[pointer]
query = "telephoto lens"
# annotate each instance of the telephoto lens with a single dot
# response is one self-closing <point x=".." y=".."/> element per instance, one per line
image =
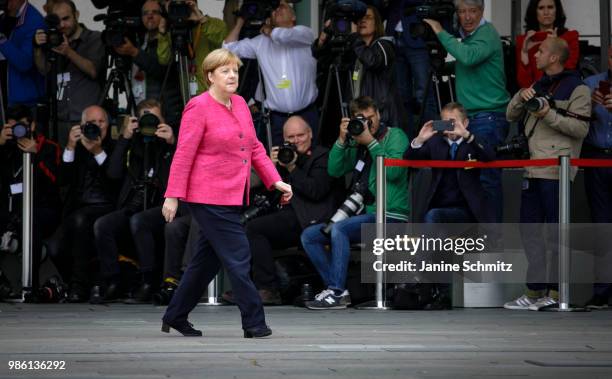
<point x="91" y="131"/>
<point x="287" y="153"/>
<point x="352" y="206"/>
<point x="535" y="104"/>
<point x="147" y="124"/>
<point x="357" y="125"/>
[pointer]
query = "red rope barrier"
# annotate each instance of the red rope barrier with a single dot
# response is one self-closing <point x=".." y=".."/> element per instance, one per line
<point x="497" y="164"/>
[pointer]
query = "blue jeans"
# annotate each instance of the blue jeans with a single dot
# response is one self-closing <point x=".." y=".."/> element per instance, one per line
<point x="412" y="74"/>
<point x="449" y="216"/>
<point x="492" y="128"/>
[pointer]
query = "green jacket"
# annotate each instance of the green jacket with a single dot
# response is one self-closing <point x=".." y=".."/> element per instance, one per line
<point x="212" y="33"/>
<point x="479" y="68"/>
<point x="342" y="160"/>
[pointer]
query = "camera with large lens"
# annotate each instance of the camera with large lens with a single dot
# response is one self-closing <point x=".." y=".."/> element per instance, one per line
<point x="537" y="103"/>
<point x="91" y="131"/>
<point x="357" y="125"/>
<point x="517" y="147"/>
<point x="54" y="37"/>
<point x="52" y="291"/>
<point x="352" y="206"/>
<point x="21" y="130"/>
<point x="147" y="124"/>
<point x="118" y="27"/>
<point x="260" y="206"/>
<point x="287" y="153"/>
<point x="439" y="10"/>
<point x="342" y="14"/>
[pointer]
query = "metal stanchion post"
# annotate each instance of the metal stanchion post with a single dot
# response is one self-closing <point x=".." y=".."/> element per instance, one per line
<point x="26" y="239"/>
<point x="564" y="238"/>
<point x="381" y="180"/>
<point x="212" y="296"/>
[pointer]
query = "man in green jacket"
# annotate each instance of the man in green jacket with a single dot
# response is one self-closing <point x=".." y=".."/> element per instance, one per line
<point x="481" y="83"/>
<point x="357" y="154"/>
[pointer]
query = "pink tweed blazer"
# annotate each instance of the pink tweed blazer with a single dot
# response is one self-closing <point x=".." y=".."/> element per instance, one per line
<point x="216" y="149"/>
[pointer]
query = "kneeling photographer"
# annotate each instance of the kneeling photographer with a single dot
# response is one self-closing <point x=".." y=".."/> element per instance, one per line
<point x="361" y="140"/>
<point x="315" y="199"/>
<point x="556" y="113"/>
<point x="142" y="159"/>
<point x="17" y="137"/>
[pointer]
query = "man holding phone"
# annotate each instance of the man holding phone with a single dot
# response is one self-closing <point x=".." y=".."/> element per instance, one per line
<point x="598" y="181"/>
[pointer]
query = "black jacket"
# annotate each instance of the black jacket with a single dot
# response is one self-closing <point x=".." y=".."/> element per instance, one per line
<point x="316" y="195"/>
<point x="75" y="175"/>
<point x="132" y="172"/>
<point x="437" y="148"/>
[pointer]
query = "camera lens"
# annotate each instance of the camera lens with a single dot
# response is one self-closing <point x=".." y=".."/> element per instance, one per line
<point x="534" y="104"/>
<point x="357" y="125"/>
<point x="91" y="131"/>
<point x="20" y="130"/>
<point x="147" y="124"/>
<point x="286" y="153"/>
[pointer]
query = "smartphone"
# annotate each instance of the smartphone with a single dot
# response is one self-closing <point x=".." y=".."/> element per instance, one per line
<point x="443" y="125"/>
<point x="604" y="87"/>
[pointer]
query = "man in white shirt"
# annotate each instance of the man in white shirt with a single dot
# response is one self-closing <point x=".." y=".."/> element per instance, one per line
<point x="288" y="68"/>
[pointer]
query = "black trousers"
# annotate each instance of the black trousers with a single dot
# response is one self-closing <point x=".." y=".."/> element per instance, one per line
<point x="222" y="242"/>
<point x="278" y="230"/>
<point x="76" y="245"/>
<point x="598" y="185"/>
<point x="123" y="228"/>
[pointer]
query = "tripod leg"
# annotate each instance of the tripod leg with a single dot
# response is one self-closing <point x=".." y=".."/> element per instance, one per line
<point x="325" y="101"/>
<point x="437" y="86"/>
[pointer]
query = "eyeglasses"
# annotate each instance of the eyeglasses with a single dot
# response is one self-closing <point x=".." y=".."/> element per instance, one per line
<point x="155" y="12"/>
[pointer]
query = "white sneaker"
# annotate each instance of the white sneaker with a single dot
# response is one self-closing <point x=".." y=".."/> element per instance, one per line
<point x="522" y="303"/>
<point x="346" y="298"/>
<point x="543" y="302"/>
<point x="323" y="293"/>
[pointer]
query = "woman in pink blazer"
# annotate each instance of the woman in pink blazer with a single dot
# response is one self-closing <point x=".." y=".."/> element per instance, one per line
<point x="210" y="171"/>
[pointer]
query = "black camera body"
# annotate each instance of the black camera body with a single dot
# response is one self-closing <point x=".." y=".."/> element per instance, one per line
<point x="261" y="205"/>
<point x="287" y="153"/>
<point x="54" y="37"/>
<point x="442" y="11"/>
<point x="91" y="131"/>
<point x="342" y="13"/>
<point x="537" y="103"/>
<point x="357" y="125"/>
<point x="147" y="124"/>
<point x="118" y="27"/>
<point x="517" y="147"/>
<point x="256" y="12"/>
<point x="21" y="130"/>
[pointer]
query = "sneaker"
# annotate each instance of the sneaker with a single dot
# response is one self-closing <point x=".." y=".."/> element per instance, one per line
<point x="522" y="303"/>
<point x="597" y="302"/>
<point x="322" y="294"/>
<point x="346" y="298"/>
<point x="327" y="301"/>
<point x="542" y="303"/>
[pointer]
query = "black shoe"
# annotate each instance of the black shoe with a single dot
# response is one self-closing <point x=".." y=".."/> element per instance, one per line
<point x="257" y="332"/>
<point x="597" y="302"/>
<point x="95" y="297"/>
<point x="164" y="295"/>
<point x="76" y="295"/>
<point x="112" y="294"/>
<point x="142" y="295"/>
<point x="185" y="329"/>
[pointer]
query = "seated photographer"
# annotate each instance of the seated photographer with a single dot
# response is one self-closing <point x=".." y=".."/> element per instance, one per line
<point x="598" y="180"/>
<point x="19" y="136"/>
<point x="304" y="166"/>
<point x="75" y="55"/>
<point x="288" y="69"/>
<point x="373" y="72"/>
<point x="148" y="72"/>
<point x="361" y="140"/>
<point x="91" y="194"/>
<point x="556" y="111"/>
<point x="455" y="195"/>
<point x="207" y="35"/>
<point x="480" y="83"/>
<point x="18" y="24"/>
<point x="141" y="159"/>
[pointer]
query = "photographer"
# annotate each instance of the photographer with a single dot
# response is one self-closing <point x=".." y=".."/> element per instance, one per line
<point x="480" y="82"/>
<point x="356" y="153"/>
<point x="91" y="194"/>
<point x="208" y="34"/>
<point x="79" y="61"/>
<point x="556" y="113"/>
<point x="18" y="24"/>
<point x="45" y="164"/>
<point x="287" y="66"/>
<point x="142" y="148"/>
<point x="304" y="166"/>
<point x="148" y="73"/>
<point x="598" y="181"/>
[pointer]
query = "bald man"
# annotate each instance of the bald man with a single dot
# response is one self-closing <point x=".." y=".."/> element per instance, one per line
<point x="91" y="194"/>
<point x="552" y="130"/>
<point x="315" y="198"/>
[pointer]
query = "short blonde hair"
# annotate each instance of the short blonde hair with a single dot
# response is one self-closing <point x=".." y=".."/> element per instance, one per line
<point x="218" y="58"/>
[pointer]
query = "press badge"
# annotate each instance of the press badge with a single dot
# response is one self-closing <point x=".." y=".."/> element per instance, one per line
<point x="355" y="75"/>
<point x="16" y="188"/>
<point x="360" y="165"/>
<point x="284" y="84"/>
<point x="62" y="82"/>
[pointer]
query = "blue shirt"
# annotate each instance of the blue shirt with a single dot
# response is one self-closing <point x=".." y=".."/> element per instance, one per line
<point x="600" y="132"/>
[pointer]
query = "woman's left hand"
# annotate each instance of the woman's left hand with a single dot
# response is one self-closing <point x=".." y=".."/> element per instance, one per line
<point x="285" y="189"/>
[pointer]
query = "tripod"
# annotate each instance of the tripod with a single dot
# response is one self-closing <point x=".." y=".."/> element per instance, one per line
<point x="180" y="38"/>
<point x="119" y="80"/>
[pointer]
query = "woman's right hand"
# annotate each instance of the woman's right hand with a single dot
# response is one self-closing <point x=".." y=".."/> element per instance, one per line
<point x="169" y="208"/>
